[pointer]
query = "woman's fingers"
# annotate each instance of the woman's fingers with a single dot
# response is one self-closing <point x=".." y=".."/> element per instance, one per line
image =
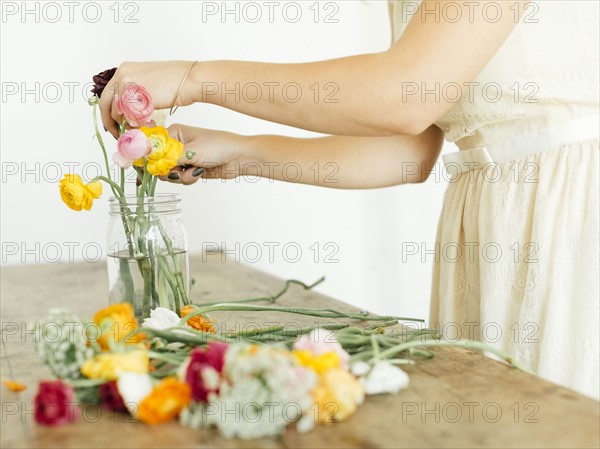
<point x="116" y="116"/>
<point x="106" y="114"/>
<point x="174" y="176"/>
<point x="191" y="175"/>
<point x="185" y="175"/>
<point x="108" y="108"/>
<point x="188" y="136"/>
<point x="185" y="134"/>
<point x="176" y="132"/>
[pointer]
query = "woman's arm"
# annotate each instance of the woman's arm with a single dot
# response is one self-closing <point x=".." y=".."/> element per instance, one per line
<point x="378" y="94"/>
<point x="343" y="162"/>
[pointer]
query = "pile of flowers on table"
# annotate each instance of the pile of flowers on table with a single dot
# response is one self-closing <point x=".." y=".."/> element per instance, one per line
<point x="247" y="383"/>
<point x="267" y="385"/>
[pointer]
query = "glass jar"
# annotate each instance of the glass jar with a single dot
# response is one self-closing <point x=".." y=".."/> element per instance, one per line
<point x="147" y="253"/>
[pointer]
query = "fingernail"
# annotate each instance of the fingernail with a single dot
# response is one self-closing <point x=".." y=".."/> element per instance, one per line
<point x="198" y="172"/>
<point x="173" y="176"/>
<point x="190" y="154"/>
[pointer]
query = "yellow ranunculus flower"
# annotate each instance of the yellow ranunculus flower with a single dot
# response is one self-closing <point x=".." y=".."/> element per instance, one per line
<point x="109" y="365"/>
<point x="78" y="195"/>
<point x="166" y="151"/>
<point x="318" y="363"/>
<point x="337" y="395"/>
<point x="116" y="322"/>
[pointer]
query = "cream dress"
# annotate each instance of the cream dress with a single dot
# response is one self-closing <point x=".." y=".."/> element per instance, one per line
<point x="518" y="248"/>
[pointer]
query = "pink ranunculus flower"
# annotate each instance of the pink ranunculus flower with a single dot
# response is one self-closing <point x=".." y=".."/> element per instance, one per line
<point x="321" y="341"/>
<point x="135" y="104"/>
<point x="55" y="404"/>
<point x="202" y="363"/>
<point x="133" y="144"/>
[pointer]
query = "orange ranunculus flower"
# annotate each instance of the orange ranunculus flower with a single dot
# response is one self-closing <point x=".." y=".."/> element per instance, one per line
<point x="165" y="401"/>
<point x="78" y="195"/>
<point x="116" y="322"/>
<point x="13" y="386"/>
<point x="165" y="153"/>
<point x="197" y="322"/>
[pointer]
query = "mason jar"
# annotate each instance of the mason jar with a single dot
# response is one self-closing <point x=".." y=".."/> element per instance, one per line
<point x="147" y="253"/>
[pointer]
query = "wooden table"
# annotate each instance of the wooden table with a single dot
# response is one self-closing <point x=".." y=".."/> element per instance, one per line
<point x="457" y="399"/>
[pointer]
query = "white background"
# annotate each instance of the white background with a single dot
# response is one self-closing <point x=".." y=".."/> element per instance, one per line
<point x="47" y="127"/>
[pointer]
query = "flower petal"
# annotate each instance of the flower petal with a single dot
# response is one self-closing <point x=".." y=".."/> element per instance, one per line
<point x="13" y="386"/>
<point x="134" y="388"/>
<point x="95" y="189"/>
<point x="161" y="318"/>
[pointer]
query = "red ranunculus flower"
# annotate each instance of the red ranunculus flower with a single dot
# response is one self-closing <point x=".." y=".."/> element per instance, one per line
<point x="55" y="404"/>
<point x="110" y="398"/>
<point x="213" y="356"/>
<point x="101" y="80"/>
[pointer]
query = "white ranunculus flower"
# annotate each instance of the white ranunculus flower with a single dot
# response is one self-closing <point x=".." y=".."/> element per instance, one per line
<point x="134" y="388"/>
<point x="360" y="368"/>
<point x="160" y="117"/>
<point x="161" y="318"/>
<point x="382" y="378"/>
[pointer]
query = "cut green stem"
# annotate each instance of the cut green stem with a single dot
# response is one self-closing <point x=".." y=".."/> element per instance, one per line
<point x="322" y="313"/>
<point x="270" y="299"/>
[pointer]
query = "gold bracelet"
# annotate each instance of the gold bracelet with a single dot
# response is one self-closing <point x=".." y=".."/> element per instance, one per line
<point x="175" y="106"/>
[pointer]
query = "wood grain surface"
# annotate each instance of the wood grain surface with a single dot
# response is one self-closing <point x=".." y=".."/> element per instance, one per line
<point x="457" y="399"/>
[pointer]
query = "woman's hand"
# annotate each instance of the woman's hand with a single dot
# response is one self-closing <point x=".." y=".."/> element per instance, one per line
<point x="336" y="161"/>
<point x="207" y="153"/>
<point x="161" y="79"/>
